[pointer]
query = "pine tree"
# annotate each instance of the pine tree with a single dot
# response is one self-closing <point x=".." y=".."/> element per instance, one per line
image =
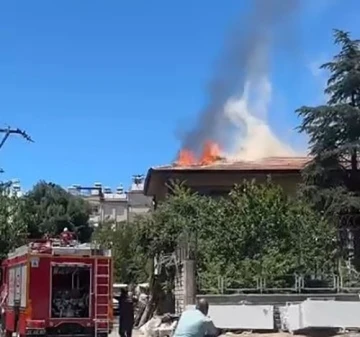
<point x="332" y="178"/>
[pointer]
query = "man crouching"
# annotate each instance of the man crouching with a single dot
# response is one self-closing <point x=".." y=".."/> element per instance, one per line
<point x="195" y="322"/>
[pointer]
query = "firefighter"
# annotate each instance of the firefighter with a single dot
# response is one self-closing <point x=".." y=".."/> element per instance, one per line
<point x="66" y="237"/>
<point x="126" y="313"/>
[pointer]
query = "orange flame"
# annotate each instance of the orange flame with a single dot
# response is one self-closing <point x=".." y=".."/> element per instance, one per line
<point x="211" y="153"/>
<point x="186" y="158"/>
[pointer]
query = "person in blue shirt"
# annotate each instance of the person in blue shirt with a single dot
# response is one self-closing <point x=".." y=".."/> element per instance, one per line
<point x="195" y="322"/>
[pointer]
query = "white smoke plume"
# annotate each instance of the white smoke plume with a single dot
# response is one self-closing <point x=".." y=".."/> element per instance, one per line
<point x="254" y="139"/>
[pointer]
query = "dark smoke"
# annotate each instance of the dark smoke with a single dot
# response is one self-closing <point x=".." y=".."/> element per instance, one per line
<point x="246" y="51"/>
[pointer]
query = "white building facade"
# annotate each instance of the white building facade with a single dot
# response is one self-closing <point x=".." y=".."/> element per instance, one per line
<point x="114" y="206"/>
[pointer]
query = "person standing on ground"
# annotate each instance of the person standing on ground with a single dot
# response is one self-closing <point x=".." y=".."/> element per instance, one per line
<point x="126" y="313"/>
<point x="196" y="323"/>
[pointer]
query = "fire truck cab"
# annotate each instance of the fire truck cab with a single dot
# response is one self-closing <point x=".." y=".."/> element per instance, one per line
<point x="55" y="288"/>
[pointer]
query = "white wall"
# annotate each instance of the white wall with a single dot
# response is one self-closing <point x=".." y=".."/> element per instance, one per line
<point x="238" y="317"/>
<point x="322" y="314"/>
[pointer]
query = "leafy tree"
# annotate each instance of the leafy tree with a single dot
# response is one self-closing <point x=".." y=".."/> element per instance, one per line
<point x="256" y="231"/>
<point x="12" y="233"/>
<point x="182" y="211"/>
<point x="130" y="266"/>
<point x="260" y="232"/>
<point x="48" y="209"/>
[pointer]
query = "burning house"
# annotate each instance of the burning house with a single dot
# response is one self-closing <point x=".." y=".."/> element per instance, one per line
<point x="235" y="113"/>
<point x="215" y="175"/>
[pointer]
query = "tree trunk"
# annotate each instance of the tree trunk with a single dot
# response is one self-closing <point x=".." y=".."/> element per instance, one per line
<point x="354" y="161"/>
<point x="354" y="166"/>
<point x="149" y="309"/>
<point x="146" y="314"/>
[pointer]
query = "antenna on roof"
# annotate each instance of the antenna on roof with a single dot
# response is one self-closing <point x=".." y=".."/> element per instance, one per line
<point x="138" y="179"/>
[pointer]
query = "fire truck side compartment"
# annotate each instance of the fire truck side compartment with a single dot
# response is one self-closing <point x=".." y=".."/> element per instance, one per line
<point x="30" y="284"/>
<point x="39" y="286"/>
<point x="16" y="301"/>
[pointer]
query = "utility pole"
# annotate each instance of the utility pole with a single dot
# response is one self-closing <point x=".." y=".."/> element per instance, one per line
<point x="7" y="132"/>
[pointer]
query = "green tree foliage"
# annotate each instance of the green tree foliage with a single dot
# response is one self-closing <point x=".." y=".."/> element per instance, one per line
<point x="12" y="233"/>
<point x="158" y="233"/>
<point x="130" y="265"/>
<point x="255" y="231"/>
<point x="332" y="179"/>
<point x="48" y="209"/>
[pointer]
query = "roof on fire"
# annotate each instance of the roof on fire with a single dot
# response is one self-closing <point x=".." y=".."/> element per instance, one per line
<point x="266" y="165"/>
<point x="270" y="163"/>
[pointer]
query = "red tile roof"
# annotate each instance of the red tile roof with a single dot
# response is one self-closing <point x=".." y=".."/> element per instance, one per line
<point x="157" y="175"/>
<point x="265" y="164"/>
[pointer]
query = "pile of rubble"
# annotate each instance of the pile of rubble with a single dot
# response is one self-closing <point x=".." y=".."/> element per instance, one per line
<point x="159" y="326"/>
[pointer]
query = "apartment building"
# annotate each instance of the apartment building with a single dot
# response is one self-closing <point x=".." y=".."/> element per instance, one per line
<point x="15" y="189"/>
<point x="114" y="205"/>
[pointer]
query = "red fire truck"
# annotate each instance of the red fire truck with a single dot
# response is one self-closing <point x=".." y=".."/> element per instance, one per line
<point x="56" y="288"/>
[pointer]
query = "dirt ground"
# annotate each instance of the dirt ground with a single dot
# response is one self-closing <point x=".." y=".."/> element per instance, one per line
<point x="287" y="334"/>
<point x="137" y="333"/>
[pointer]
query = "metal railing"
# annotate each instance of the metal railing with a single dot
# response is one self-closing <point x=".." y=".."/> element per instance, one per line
<point x="325" y="283"/>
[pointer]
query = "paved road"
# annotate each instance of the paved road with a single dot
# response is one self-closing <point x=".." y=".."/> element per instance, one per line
<point x="115" y="332"/>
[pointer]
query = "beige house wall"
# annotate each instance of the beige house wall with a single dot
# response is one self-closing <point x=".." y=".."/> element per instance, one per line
<point x="219" y="182"/>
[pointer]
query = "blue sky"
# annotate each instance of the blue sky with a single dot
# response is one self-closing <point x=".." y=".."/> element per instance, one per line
<point x="105" y="87"/>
